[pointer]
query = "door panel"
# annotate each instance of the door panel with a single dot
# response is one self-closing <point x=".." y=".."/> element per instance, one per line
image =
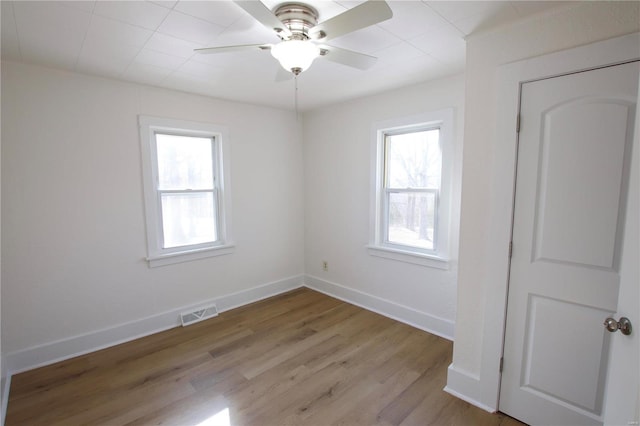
<point x="542" y="367"/>
<point x="572" y="181"/>
<point x="577" y="207"/>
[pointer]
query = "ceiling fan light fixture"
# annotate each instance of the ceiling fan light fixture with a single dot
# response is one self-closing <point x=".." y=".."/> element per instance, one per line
<point x="295" y="55"/>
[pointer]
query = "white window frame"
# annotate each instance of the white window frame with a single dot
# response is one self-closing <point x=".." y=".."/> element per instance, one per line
<point x="439" y="256"/>
<point x="156" y="254"/>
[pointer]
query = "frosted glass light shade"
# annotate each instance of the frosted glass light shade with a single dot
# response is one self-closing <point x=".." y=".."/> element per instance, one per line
<point x="294" y="54"/>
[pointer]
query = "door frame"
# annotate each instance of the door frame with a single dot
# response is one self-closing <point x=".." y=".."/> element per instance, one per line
<point x="509" y="79"/>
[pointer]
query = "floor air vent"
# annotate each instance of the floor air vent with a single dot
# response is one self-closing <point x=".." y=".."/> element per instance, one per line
<point x="198" y="315"/>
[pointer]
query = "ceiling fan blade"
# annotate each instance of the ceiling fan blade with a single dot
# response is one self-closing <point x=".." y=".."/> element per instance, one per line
<point x="239" y="47"/>
<point x="266" y="17"/>
<point x="368" y="13"/>
<point x="348" y="57"/>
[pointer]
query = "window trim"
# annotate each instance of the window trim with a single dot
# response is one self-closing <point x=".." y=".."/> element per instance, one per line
<point x="156" y="255"/>
<point x="439" y="257"/>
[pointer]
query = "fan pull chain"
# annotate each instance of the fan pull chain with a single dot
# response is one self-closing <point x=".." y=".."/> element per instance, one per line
<point x="295" y="96"/>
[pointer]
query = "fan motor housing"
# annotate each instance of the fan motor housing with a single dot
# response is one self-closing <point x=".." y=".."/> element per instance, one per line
<point x="298" y="17"/>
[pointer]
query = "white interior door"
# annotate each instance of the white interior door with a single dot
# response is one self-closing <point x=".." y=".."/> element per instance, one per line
<point x="574" y="155"/>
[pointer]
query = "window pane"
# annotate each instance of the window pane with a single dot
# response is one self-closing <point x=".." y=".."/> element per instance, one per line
<point x="412" y="219"/>
<point x="184" y="162"/>
<point x="188" y="219"/>
<point x="413" y="160"/>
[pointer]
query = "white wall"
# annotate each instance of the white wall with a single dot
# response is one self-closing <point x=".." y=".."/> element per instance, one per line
<point x="482" y="190"/>
<point x="73" y="240"/>
<point x="337" y="167"/>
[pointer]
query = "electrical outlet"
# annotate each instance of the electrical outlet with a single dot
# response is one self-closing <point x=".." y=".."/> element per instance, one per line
<point x="325" y="265"/>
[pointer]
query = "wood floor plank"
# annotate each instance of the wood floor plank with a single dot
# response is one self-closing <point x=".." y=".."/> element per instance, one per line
<point x="272" y="383"/>
<point x="300" y="358"/>
<point x="297" y="399"/>
<point x="415" y="393"/>
<point x="365" y="411"/>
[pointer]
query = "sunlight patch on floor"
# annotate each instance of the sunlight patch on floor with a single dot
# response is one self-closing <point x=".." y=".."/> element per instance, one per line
<point x="221" y="418"/>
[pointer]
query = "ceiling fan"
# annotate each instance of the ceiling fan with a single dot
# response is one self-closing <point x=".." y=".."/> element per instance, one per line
<point x="303" y="37"/>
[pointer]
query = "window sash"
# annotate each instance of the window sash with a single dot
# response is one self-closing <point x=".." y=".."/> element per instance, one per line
<point x="214" y="157"/>
<point x="385" y="222"/>
<point x="216" y="220"/>
<point x="387" y="135"/>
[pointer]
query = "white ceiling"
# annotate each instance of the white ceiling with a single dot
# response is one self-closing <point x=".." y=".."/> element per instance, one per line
<point x="152" y="42"/>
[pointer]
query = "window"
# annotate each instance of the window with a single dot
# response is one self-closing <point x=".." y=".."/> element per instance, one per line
<point x="411" y="181"/>
<point x="186" y="191"/>
<point x="411" y="186"/>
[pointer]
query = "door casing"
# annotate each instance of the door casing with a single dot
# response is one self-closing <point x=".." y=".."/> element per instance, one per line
<point x="509" y="78"/>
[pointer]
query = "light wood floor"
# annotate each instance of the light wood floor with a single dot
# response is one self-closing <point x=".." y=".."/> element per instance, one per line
<point x="301" y="358"/>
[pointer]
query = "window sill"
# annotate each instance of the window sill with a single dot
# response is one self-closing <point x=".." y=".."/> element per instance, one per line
<point x="189" y="255"/>
<point x="409" y="257"/>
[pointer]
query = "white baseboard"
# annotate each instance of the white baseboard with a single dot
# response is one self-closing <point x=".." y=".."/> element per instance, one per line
<point x="465" y="386"/>
<point x="49" y="353"/>
<point x="5" y="386"/>
<point x="421" y="320"/>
